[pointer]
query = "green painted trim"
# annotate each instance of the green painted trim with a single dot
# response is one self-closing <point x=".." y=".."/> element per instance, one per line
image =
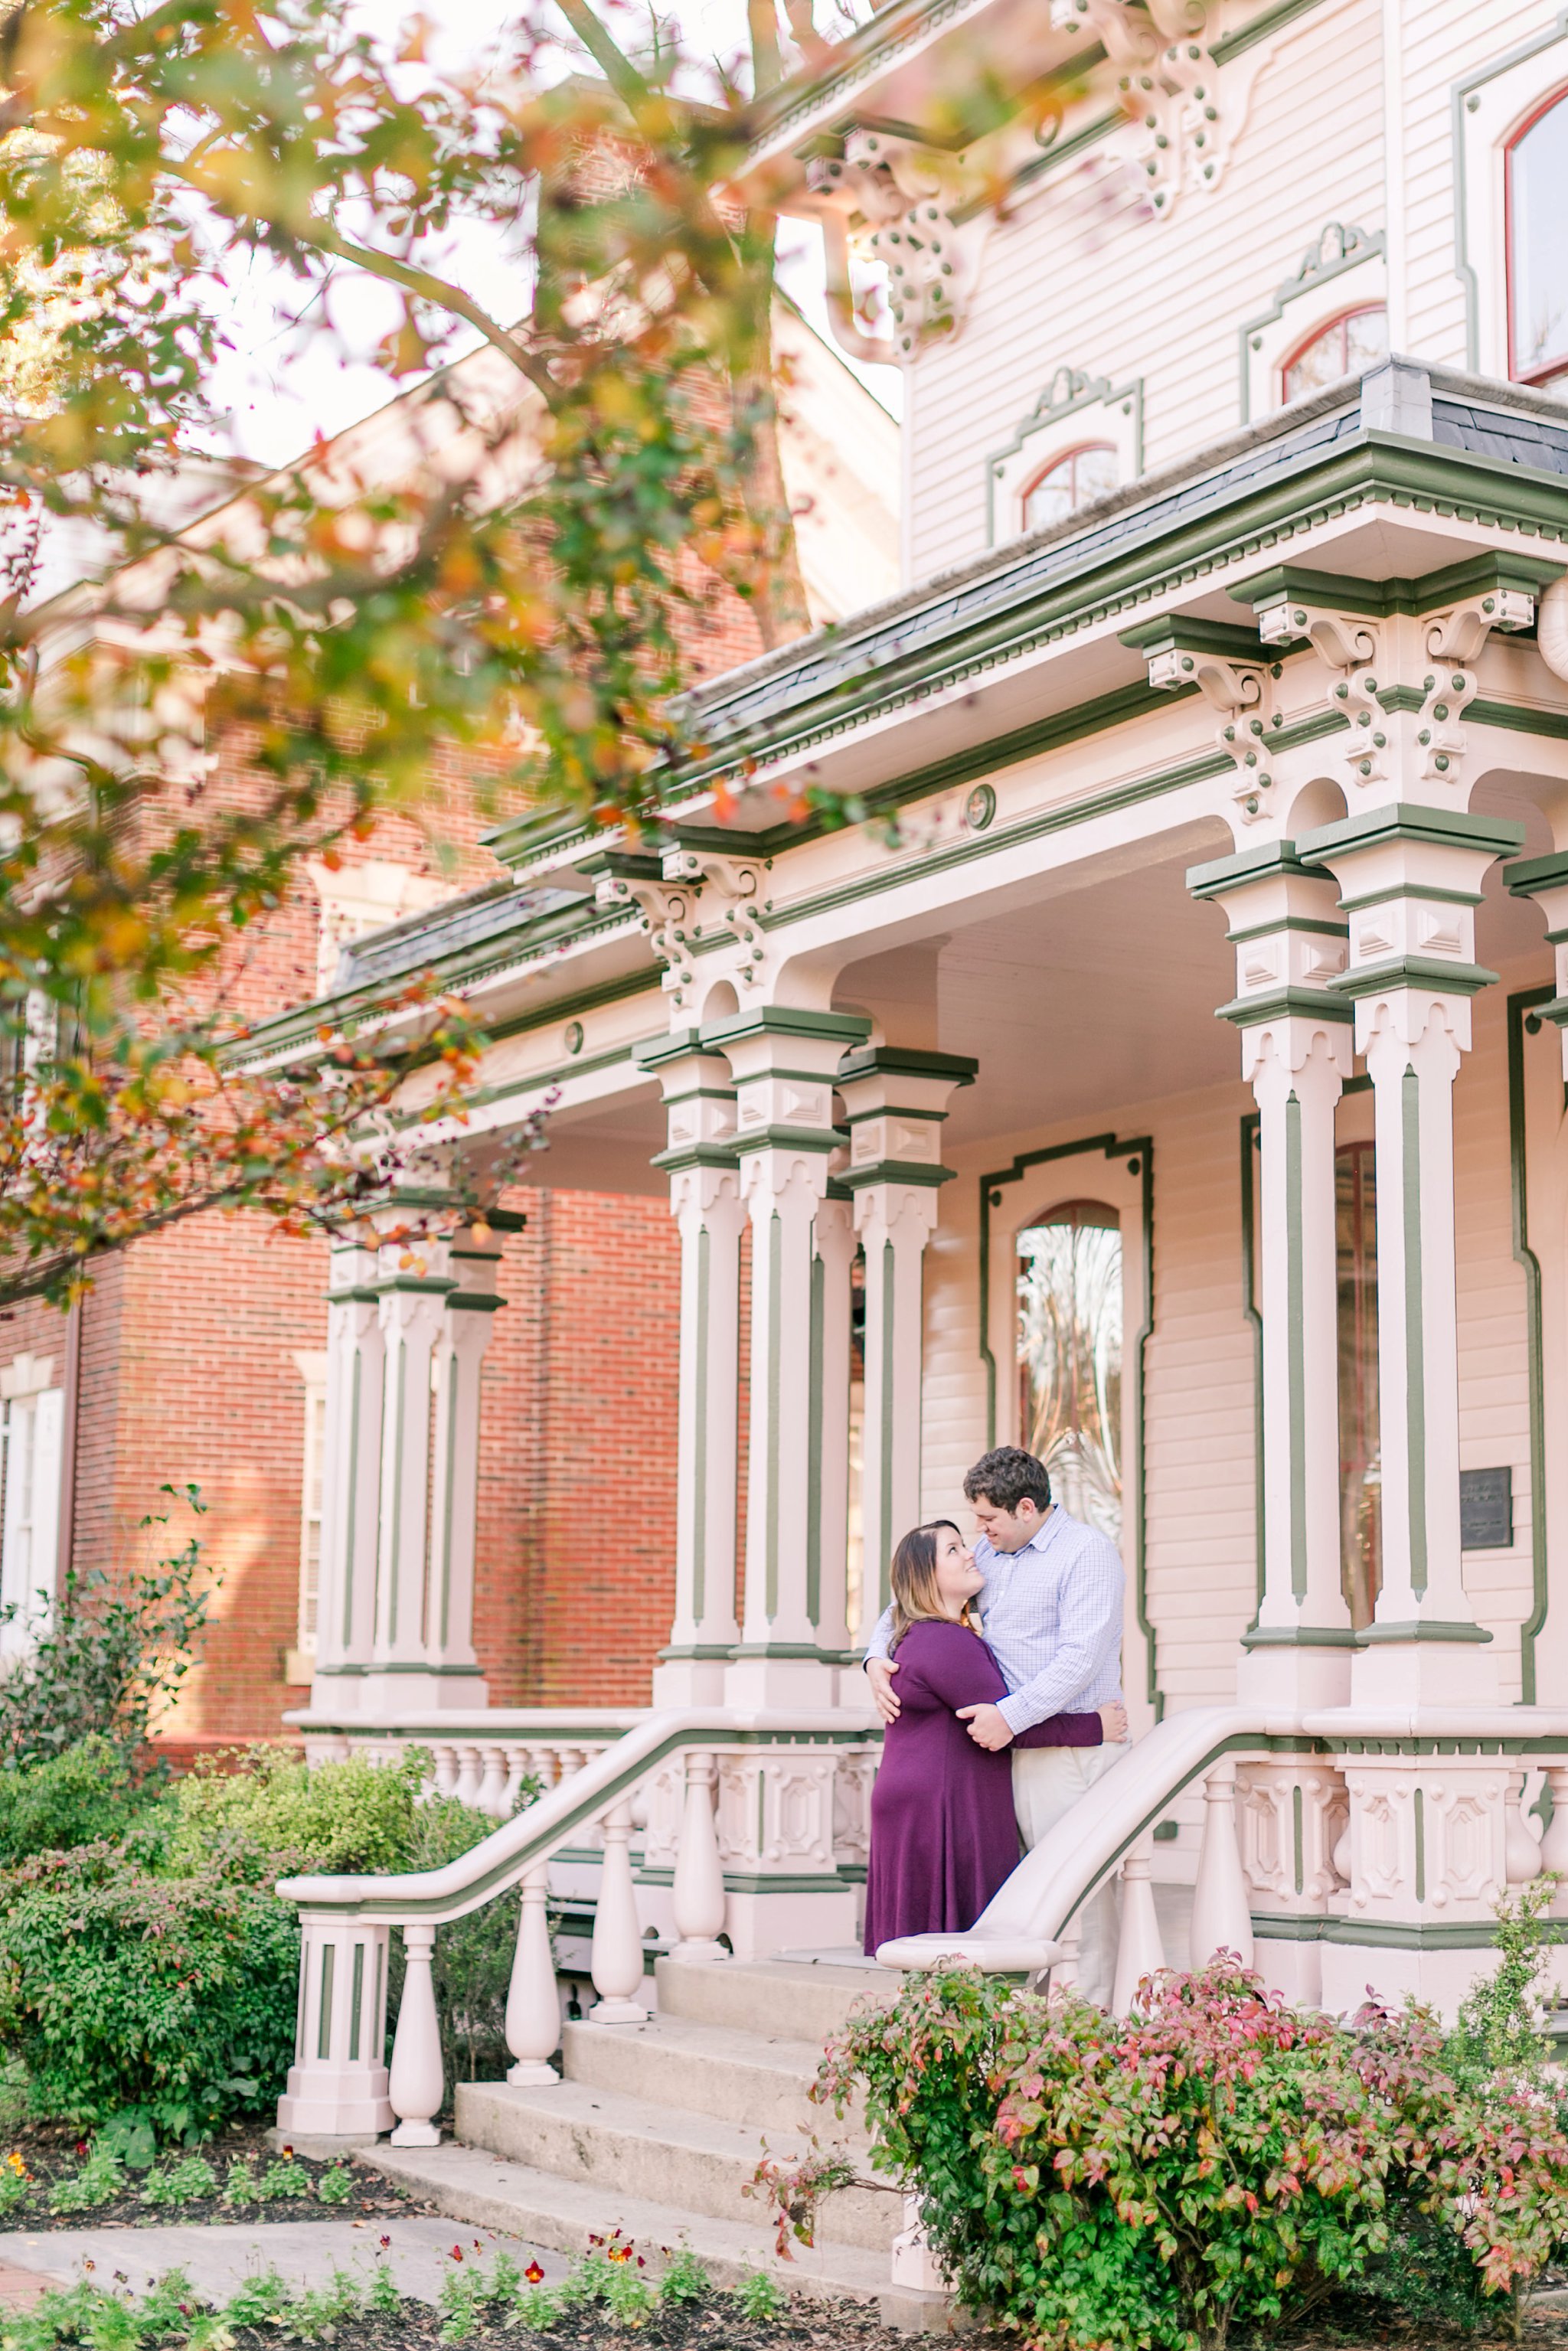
<point x="1477" y="575"/>
<point x="756" y="1882"/>
<point x="905" y="1061"/>
<point x="918" y="1174"/>
<point x="1529" y="875"/>
<point x="849" y="1029"/>
<point x="775" y="1277"/>
<point x="1422" y="1629"/>
<point x="1410" y="821"/>
<point x="324" y="2009"/>
<point x="1463" y="267"/>
<point x="1299" y="1842"/>
<point x="1413" y="971"/>
<point x="1388" y="1935"/>
<point x="1312" y="272"/>
<point x="448" y="1483"/>
<point x="1252" y="1141"/>
<point x="356" y="2002"/>
<point x="1425" y="891"/>
<point x="1139" y="1152"/>
<point x="814" y="1442"/>
<point x="1299" y="1636"/>
<point x="1523" y="1001"/>
<point x="1304" y="924"/>
<point x="1414" y="1330"/>
<point x="350" y="1514"/>
<point x="1295" y="1315"/>
<point x="1419" y="1811"/>
<point x="823" y="1139"/>
<point x="699" y="1449"/>
<point x="1280" y="1003"/>
<point x="396" y="1497"/>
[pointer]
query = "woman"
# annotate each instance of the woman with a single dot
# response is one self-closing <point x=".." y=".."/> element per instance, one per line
<point x="943" y="1834"/>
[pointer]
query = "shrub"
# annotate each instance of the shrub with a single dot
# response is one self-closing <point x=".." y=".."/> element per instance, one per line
<point x="110" y="1655"/>
<point x="119" y="1989"/>
<point x="336" y="2187"/>
<point x="272" y="1814"/>
<point x="1221" y="2160"/>
<point x="83" y="1795"/>
<point x="471" y="1967"/>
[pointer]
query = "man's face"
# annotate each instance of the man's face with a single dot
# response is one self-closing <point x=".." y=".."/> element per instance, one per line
<point x="1006" y="1530"/>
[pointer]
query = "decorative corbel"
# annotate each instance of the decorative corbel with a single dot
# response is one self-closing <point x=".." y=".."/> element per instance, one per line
<point x="691" y="901"/>
<point x="1234" y="678"/>
<point x="897" y="202"/>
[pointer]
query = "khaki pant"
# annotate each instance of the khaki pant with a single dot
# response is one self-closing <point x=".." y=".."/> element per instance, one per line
<point x="1046" y="1783"/>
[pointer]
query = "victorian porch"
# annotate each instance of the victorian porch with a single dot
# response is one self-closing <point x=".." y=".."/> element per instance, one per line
<point x="960" y="1153"/>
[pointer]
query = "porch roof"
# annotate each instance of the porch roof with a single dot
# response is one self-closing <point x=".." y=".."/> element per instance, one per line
<point x="1401" y="429"/>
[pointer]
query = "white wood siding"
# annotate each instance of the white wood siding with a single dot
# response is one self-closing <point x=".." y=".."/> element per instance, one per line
<point x="1077" y="277"/>
<point x="1200" y="1398"/>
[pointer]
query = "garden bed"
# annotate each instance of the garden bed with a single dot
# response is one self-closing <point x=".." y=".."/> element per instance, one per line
<point x="53" y="2178"/>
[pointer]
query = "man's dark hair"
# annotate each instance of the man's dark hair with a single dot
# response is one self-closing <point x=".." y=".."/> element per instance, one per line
<point x="1008" y="1475"/>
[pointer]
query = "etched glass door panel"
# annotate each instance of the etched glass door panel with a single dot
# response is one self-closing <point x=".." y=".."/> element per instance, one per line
<point x="1070" y="1357"/>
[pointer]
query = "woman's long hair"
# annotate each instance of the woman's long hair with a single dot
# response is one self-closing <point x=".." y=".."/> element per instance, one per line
<point x="916" y="1599"/>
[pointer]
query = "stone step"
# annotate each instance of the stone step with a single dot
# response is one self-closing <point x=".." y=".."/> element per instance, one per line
<point x="486" y="2191"/>
<point x="798" y="2000"/>
<point x="633" y="2147"/>
<point x="703" y="2069"/>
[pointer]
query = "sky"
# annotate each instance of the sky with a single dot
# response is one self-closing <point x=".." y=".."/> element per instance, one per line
<point x="281" y="385"/>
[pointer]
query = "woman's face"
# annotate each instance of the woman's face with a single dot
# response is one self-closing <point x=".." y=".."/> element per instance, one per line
<point x="957" y="1577"/>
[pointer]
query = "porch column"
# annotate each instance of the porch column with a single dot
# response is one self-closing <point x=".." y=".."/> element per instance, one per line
<point x="896" y="1100"/>
<point x="467" y="1323"/>
<point x="350" y="1479"/>
<point x="785" y="1063"/>
<point x="436" y="1322"/>
<point x="705" y="1199"/>
<point x="1290" y="940"/>
<point x="1410" y="880"/>
<point x="1546" y="879"/>
<point x="828" y="1560"/>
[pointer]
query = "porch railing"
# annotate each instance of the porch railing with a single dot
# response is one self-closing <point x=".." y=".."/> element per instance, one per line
<point x="338" y="2084"/>
<point x="1385" y="1831"/>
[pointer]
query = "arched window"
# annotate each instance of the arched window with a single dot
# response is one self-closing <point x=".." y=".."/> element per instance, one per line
<point x="1359" y="1456"/>
<point x="1537" y="250"/>
<point x="1069" y="1356"/>
<point x="1344" y="347"/>
<point x="1070" y="482"/>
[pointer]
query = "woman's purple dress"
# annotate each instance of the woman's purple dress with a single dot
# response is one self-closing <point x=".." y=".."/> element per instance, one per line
<point x="943" y="1833"/>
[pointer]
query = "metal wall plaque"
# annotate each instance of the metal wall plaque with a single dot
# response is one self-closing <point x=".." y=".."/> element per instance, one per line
<point x="1486" y="1510"/>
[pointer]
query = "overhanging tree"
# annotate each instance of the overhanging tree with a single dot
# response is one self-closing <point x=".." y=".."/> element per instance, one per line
<point x="514" y="583"/>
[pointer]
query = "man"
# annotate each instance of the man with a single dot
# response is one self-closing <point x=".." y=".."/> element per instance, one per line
<point x="1051" y="1607"/>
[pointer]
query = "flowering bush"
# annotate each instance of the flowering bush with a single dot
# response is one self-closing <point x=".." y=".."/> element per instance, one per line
<point x="1220" y="2159"/>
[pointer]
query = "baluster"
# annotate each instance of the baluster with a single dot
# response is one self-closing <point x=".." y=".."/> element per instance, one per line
<point x="516" y="1761"/>
<point x="445" y="1769"/>
<point x="544" y="1762"/>
<point x="1140" y="1951"/>
<point x="1521" y="1858"/>
<point x="1554" y="1844"/>
<point x="418" y="2077"/>
<point x="1066" y="1975"/>
<point x="616" y="1962"/>
<point x="1221" y="1906"/>
<point x="470" y="1775"/>
<point x="493" y="1783"/>
<point x="533" y="2004"/>
<point x="697" y="1897"/>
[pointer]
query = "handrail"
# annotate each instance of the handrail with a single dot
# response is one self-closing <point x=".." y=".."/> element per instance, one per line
<point x="500" y="1861"/>
<point x="468" y="1722"/>
<point x="1052" y="1883"/>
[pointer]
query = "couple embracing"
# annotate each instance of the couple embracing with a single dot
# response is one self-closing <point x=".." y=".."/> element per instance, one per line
<point x="997" y="1720"/>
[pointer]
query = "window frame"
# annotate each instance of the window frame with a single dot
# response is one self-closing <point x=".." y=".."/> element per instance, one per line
<point x="1492" y="108"/>
<point x="1053" y="465"/>
<point x="1313" y="336"/>
<point x="1076" y="411"/>
<point x="299" y="1663"/>
<point x="34" y="1410"/>
<point x="1541" y="378"/>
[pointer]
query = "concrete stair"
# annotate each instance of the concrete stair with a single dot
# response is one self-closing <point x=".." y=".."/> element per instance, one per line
<point x="656" y="2129"/>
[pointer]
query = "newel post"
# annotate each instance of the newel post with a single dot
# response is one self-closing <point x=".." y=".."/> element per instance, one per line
<point x="338" y="2082"/>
